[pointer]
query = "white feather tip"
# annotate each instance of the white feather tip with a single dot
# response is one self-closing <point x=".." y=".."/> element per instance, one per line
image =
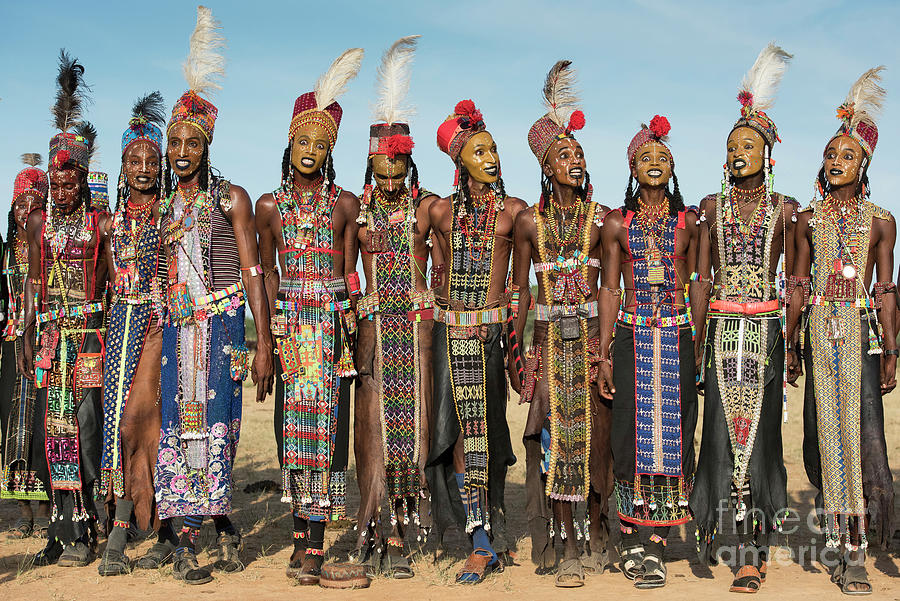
<point x="867" y="97"/>
<point x="765" y="75"/>
<point x="205" y="64"/>
<point x="334" y="82"/>
<point x="393" y="82"/>
<point x="560" y="94"/>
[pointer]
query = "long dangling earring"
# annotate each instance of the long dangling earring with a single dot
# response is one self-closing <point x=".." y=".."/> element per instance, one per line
<point x="768" y="173"/>
<point x="724" y="179"/>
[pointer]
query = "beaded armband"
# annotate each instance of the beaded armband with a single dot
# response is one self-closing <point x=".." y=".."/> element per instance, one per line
<point x="514" y="300"/>
<point x="793" y="282"/>
<point x="879" y="290"/>
<point x="696" y="277"/>
<point x="253" y="271"/>
<point x="353" y="286"/>
<point x="437" y="275"/>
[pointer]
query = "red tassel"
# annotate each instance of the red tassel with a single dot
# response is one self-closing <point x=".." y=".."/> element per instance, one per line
<point x="456" y="178"/>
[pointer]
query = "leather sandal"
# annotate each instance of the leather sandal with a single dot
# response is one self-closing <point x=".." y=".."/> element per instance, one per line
<point x="855" y="574"/>
<point x="595" y="563"/>
<point x="41" y="528"/>
<point x="113" y="563"/>
<point x="630" y="561"/>
<point x="188" y="569"/>
<point x="570" y="574"/>
<point x="76" y="555"/>
<point x="161" y="553"/>
<point x="653" y="573"/>
<point x="228" y="547"/>
<point x="478" y="566"/>
<point x="23" y="528"/>
<point x="746" y="580"/>
<point x="397" y="566"/>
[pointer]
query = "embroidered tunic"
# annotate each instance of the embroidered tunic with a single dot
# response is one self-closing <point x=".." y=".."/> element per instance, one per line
<point x="652" y="438"/>
<point x="396" y="309"/>
<point x="840" y="312"/>
<point x="744" y="378"/>
<point x="565" y="356"/>
<point x="313" y="348"/>
<point x="68" y="367"/>
<point x="204" y="358"/>
<point x="137" y="299"/>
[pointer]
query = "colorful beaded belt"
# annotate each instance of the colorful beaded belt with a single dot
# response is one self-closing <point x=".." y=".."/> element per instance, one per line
<point x="753" y="308"/>
<point x="658" y="322"/>
<point x="284" y="305"/>
<point x="413" y="307"/>
<point x="555" y="312"/>
<point x="577" y="259"/>
<point x="130" y="300"/>
<point x="470" y="318"/>
<point x="218" y="294"/>
<point x="292" y="285"/>
<point x="77" y="311"/>
<point x="222" y="303"/>
<point x="861" y="303"/>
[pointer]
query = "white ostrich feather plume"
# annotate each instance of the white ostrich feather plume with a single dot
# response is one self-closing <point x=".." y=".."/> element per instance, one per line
<point x="334" y="82"/>
<point x="560" y="96"/>
<point x="765" y="75"/>
<point x="205" y="64"/>
<point x="393" y="82"/>
<point x="866" y="97"/>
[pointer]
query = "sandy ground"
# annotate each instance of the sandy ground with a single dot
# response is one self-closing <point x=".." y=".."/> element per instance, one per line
<point x="266" y="527"/>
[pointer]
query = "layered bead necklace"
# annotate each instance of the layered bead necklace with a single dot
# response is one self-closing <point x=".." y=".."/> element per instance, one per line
<point x="740" y="198"/>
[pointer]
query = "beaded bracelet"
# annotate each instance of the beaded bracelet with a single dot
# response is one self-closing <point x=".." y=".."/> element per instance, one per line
<point x="254" y="270"/>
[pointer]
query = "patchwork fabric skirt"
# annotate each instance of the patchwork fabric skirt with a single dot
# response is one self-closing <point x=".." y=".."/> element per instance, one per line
<point x="205" y="488"/>
<point x="650" y="500"/>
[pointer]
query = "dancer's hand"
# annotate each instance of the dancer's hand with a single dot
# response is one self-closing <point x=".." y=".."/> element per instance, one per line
<point x="262" y="372"/>
<point x="605" y="379"/>
<point x="795" y="370"/>
<point x="888" y="373"/>
<point x="25" y="361"/>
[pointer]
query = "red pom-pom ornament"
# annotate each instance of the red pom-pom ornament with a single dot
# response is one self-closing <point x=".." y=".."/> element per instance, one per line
<point x="61" y="158"/>
<point x="576" y="121"/>
<point x="464" y="108"/>
<point x="745" y="98"/>
<point x="394" y="145"/>
<point x="660" y="126"/>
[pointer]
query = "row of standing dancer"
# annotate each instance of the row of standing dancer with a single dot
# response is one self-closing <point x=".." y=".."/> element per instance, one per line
<point x="124" y="350"/>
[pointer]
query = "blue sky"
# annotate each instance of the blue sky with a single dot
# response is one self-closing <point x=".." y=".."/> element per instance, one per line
<point x="634" y="59"/>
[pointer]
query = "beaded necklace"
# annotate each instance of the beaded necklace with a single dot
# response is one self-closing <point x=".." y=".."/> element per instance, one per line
<point x="651" y="219"/>
<point x="738" y="198"/>
<point x="478" y="233"/>
<point x="560" y="215"/>
<point x="471" y="257"/>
